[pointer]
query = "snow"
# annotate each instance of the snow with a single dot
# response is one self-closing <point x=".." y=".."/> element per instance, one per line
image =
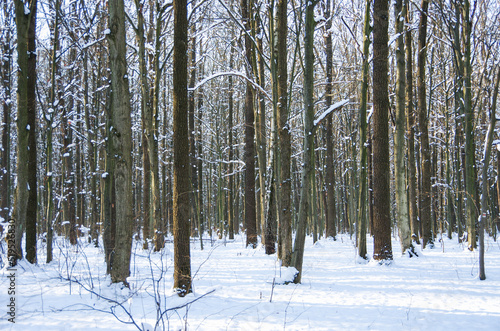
<point x="319" y="18"/>
<point x="329" y="110"/>
<point x="238" y="288"/>
<point x="394" y="37"/>
<point x="107" y="31"/>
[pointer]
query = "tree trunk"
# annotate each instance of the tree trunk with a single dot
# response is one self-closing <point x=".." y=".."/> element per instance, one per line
<point x="49" y="117"/>
<point x="362" y="203"/>
<point x="5" y="172"/>
<point x="485" y="183"/>
<point x="250" y="210"/>
<point x="309" y="132"/>
<point x="260" y="125"/>
<point x="381" y="166"/>
<point x="181" y="205"/>
<point x="191" y="126"/>
<point x="412" y="173"/>
<point x="146" y="115"/>
<point x="230" y="222"/>
<point x="423" y="122"/>
<point x="25" y="204"/>
<point x="121" y="137"/>
<point x="331" y="213"/>
<point x="470" y="150"/>
<point x="399" y="139"/>
<point x="156" y="211"/>
<point x="285" y="145"/>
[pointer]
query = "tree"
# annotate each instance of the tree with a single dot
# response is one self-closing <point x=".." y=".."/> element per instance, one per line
<point x="486" y="160"/>
<point x="410" y="127"/>
<point x="331" y="213"/>
<point x="49" y="117"/>
<point x="309" y="131"/>
<point x="250" y="210"/>
<point x="399" y="138"/>
<point x="381" y="166"/>
<point x="25" y="204"/>
<point x="156" y="211"/>
<point x="362" y="136"/>
<point x="470" y="159"/>
<point x="181" y="204"/>
<point x="147" y="122"/>
<point x="423" y="122"/>
<point x="285" y="147"/>
<point x="6" y="65"/>
<point x="120" y="135"/>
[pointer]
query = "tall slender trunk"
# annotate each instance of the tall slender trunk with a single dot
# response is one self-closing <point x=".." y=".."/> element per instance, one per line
<point x="485" y="183"/>
<point x="470" y="150"/>
<point x="285" y="145"/>
<point x="201" y="213"/>
<point x="410" y="122"/>
<point x="250" y="210"/>
<point x="381" y="166"/>
<point x="51" y="112"/>
<point x="90" y="123"/>
<point x="5" y="169"/>
<point x="331" y="213"/>
<point x="423" y="122"/>
<point x="191" y="125"/>
<point x="25" y="204"/>
<point x="260" y="126"/>
<point x="146" y="115"/>
<point x="121" y="137"/>
<point x="156" y="206"/>
<point x="181" y="204"/>
<point x="362" y="203"/>
<point x="309" y="132"/>
<point x="399" y="139"/>
<point x="230" y="222"/>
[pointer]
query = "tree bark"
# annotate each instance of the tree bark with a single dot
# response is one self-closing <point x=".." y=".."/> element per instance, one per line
<point x="191" y="127"/>
<point x="146" y="115"/>
<point x="485" y="183"/>
<point x="399" y="138"/>
<point x="423" y="122"/>
<point x="156" y="206"/>
<point x="309" y="132"/>
<point x="5" y="169"/>
<point x="250" y="210"/>
<point x="381" y="166"/>
<point x="231" y="191"/>
<point x="25" y="205"/>
<point x="181" y="203"/>
<point x="362" y="203"/>
<point x="470" y="149"/>
<point x="121" y="136"/>
<point x="49" y="117"/>
<point x="331" y="213"/>
<point x="285" y="145"/>
<point x="412" y="173"/>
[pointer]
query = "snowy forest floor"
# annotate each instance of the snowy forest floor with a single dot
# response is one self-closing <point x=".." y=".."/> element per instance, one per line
<point x="233" y="290"/>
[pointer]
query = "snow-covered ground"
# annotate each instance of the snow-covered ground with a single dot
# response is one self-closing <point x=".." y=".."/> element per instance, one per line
<point x="233" y="290"/>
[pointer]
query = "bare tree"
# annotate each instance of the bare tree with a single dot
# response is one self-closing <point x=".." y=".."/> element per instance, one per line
<point x="182" y="255"/>
<point x="381" y="166"/>
<point x="121" y="136"/>
<point x="25" y="204"/>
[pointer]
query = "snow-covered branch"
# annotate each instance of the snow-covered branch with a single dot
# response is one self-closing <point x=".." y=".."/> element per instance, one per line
<point x="232" y="73"/>
<point x="329" y="110"/>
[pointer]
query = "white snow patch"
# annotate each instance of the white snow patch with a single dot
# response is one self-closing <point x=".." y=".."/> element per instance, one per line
<point x="429" y="292"/>
<point x="329" y="110"/>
